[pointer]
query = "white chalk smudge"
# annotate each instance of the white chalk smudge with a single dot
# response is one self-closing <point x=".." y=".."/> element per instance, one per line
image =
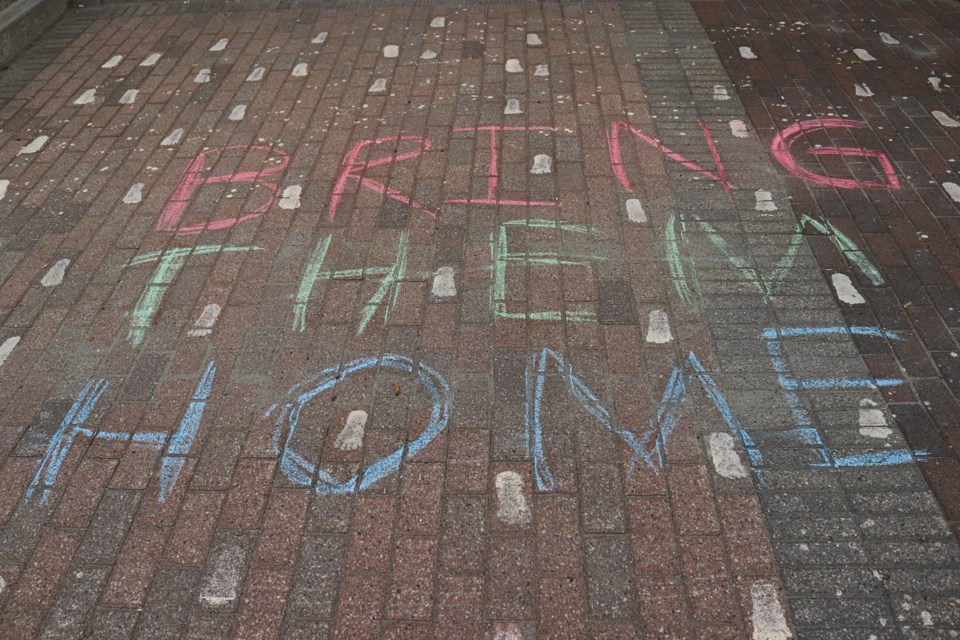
<point x="320" y="38"/>
<point x="871" y="415"/>
<point x="767" y="615"/>
<point x="112" y="62"/>
<point x="513" y="66"/>
<point x="204" y="324"/>
<point x="635" y="212"/>
<point x="7" y="348"/>
<point x="935" y="83"/>
<point x="291" y="197"/>
<point x="134" y="194"/>
<point x="723" y="454"/>
<point x="764" y="200"/>
<point x="658" y="329"/>
<point x="55" y="274"/>
<point x="4" y="185"/>
<point x="429" y="54"/>
<point x="34" y="146"/>
<point x="880" y="433"/>
<point x="86" y="97"/>
<point x="202" y="76"/>
<point x="221" y="586"/>
<point x="129" y="96"/>
<point x="379" y="86"/>
<point x="150" y="60"/>
<point x="953" y="190"/>
<point x="541" y="70"/>
<point x="886" y="38"/>
<point x="747" y="53"/>
<point x="391" y="51"/>
<point x="738" y="129"/>
<point x="172" y="138"/>
<point x="511" y="504"/>
<point x="845" y="289"/>
<point x="512" y="108"/>
<point x="862" y="90"/>
<point x="926" y="618"/>
<point x="533" y="40"/>
<point x="300" y="70"/>
<point x="444" y="285"/>
<point x="256" y="75"/>
<point x="220" y="45"/>
<point x="351" y="437"/>
<point x="509" y="631"/>
<point x="542" y="164"/>
<point x="720" y="92"/>
<point x="864" y="55"/>
<point x="439" y="22"/>
<point x="238" y="112"/>
<point x="944" y="119"/>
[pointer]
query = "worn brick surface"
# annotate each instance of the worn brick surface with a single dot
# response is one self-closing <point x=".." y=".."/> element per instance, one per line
<point x="409" y="320"/>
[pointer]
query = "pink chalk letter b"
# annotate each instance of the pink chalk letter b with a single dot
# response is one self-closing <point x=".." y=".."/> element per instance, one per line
<point x="782" y="144"/>
<point x="194" y="177"/>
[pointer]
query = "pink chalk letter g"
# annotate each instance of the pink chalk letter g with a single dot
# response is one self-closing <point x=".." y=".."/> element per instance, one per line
<point x="781" y="150"/>
<point x="193" y="179"/>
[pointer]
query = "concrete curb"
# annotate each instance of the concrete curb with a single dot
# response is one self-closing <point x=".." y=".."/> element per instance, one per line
<point x="23" y="21"/>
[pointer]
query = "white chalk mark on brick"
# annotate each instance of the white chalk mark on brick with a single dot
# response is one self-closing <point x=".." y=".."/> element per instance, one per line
<point x="635" y="212"/>
<point x="112" y="62"/>
<point x="541" y="71"/>
<point x="202" y="76"/>
<point x="150" y="60"/>
<point x="511" y="504"/>
<point x="429" y="54"/>
<point x="320" y="38"/>
<point x="767" y="615"/>
<point x="513" y="66"/>
<point x="34" y="146"/>
<point x="953" y="190"/>
<point x="871" y="415"/>
<point x="439" y="22"/>
<point x="351" y="437"/>
<point x="7" y="348"/>
<point x="391" y="51"/>
<point x="935" y="83"/>
<point x="256" y="75"/>
<point x="300" y="70"/>
<point x="542" y="164"/>
<point x="221" y="586"/>
<point x="86" y="97"/>
<point x="238" y="112"/>
<point x="886" y="38"/>
<point x="720" y="92"/>
<point x="658" y="329"/>
<point x="738" y="129"/>
<point x="379" y="85"/>
<point x="172" y="138"/>
<point x="220" y="45"/>
<point x="723" y="454"/>
<point x="533" y="40"/>
<point x="129" y="96"/>
<point x="4" y="185"/>
<point x="862" y="90"/>
<point x="204" y="324"/>
<point x="944" y="119"/>
<point x="134" y="194"/>
<point x="747" y="53"/>
<point x="512" y="108"/>
<point x="444" y="285"/>
<point x="509" y="631"/>
<point x="764" y="200"/>
<point x="864" y="55"/>
<point x="55" y="274"/>
<point x="291" y="197"/>
<point x="845" y="289"/>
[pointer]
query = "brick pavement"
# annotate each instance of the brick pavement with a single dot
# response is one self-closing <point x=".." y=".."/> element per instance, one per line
<point x="446" y="321"/>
